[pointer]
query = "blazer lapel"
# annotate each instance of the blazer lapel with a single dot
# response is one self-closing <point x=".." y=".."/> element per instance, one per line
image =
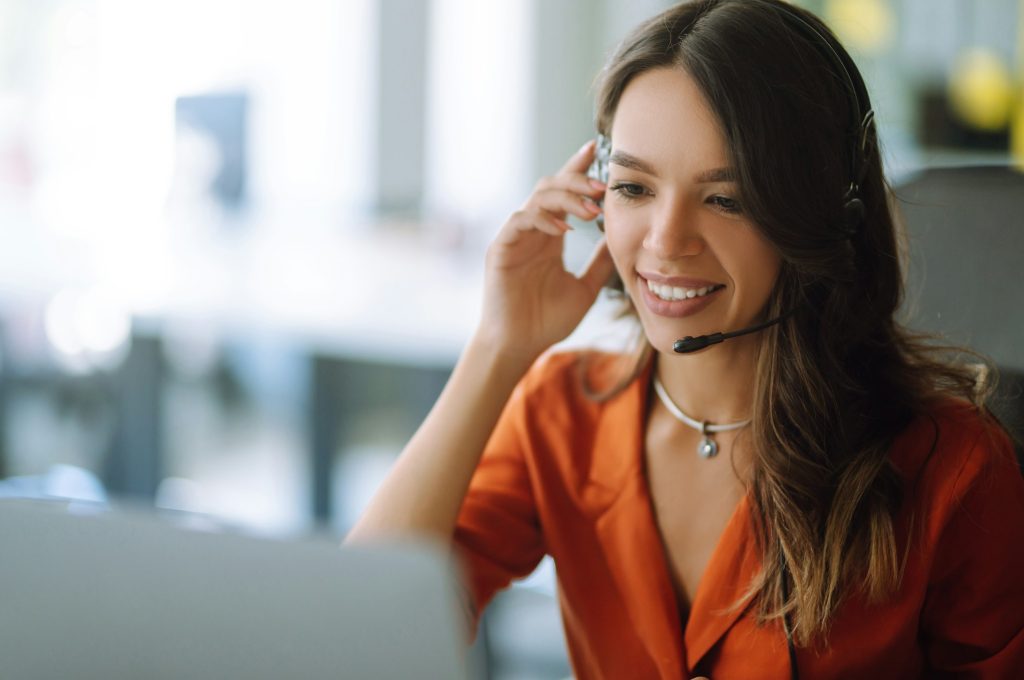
<point x="637" y="564"/>
<point x="629" y="535"/>
<point x="731" y="567"/>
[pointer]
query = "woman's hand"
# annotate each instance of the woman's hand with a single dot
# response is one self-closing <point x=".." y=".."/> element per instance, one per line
<point x="530" y="300"/>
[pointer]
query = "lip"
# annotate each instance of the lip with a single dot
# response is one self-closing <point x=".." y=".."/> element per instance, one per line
<point x="676" y="281"/>
<point x="675" y="308"/>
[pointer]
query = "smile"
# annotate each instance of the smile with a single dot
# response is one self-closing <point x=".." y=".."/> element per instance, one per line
<point x="676" y="301"/>
<point x="671" y="293"/>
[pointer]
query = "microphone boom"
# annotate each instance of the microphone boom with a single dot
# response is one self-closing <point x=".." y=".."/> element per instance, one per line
<point x="692" y="344"/>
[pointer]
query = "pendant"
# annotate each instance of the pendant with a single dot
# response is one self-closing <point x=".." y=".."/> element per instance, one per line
<point x="708" y="448"/>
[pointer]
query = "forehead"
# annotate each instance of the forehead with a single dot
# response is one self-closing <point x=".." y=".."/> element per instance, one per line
<point x="664" y="118"/>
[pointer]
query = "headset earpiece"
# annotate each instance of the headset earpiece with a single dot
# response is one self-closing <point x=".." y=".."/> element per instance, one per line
<point x="853" y="211"/>
<point x="599" y="169"/>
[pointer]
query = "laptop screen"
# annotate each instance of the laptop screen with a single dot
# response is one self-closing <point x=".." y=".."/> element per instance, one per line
<point x="118" y="595"/>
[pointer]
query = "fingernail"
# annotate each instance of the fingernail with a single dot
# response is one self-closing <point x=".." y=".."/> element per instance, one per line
<point x="597" y="184"/>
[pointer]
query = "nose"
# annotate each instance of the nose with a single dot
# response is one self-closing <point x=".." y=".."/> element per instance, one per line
<point x="674" y="232"/>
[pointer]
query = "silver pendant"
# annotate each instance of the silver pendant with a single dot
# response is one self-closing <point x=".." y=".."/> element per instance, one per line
<point x="707" y="448"/>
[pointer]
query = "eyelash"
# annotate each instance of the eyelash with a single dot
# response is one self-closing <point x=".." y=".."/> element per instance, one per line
<point x="624" y="190"/>
<point x="628" y="191"/>
<point x="726" y="204"/>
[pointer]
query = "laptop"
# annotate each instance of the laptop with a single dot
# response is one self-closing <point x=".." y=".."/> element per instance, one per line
<point x="88" y="593"/>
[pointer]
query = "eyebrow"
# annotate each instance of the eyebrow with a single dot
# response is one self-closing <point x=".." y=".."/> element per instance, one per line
<point x="718" y="175"/>
<point x="630" y="161"/>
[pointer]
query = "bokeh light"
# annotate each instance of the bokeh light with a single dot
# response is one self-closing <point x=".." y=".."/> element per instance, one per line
<point x="864" y="26"/>
<point x="981" y="90"/>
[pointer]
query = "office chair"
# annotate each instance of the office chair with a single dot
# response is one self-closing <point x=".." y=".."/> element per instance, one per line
<point x="965" y="227"/>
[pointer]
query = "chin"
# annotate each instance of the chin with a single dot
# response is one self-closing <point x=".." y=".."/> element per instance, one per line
<point x="662" y="339"/>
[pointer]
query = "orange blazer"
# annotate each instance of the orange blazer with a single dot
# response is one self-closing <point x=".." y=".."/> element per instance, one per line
<point x="563" y="475"/>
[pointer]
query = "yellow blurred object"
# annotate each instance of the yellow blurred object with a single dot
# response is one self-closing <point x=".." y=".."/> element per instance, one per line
<point x="1017" y="132"/>
<point x="1017" y="124"/>
<point x="981" y="90"/>
<point x="865" y="26"/>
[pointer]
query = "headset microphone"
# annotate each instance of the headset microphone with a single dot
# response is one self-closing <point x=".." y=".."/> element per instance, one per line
<point x="692" y="344"/>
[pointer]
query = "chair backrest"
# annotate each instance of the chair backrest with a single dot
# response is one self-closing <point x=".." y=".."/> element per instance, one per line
<point x="966" y="271"/>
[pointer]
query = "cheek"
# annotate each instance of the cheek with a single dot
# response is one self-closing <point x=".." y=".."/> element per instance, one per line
<point x="616" y="243"/>
<point x="762" y="265"/>
<point x="620" y="248"/>
<point x="623" y="236"/>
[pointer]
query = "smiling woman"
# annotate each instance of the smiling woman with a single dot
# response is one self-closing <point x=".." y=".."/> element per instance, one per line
<point x="823" y="494"/>
<point x="675" y="223"/>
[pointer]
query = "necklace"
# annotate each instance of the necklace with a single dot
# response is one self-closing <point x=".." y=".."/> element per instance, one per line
<point x="708" y="447"/>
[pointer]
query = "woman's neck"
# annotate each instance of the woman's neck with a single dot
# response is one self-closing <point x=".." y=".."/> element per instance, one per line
<point x="716" y="384"/>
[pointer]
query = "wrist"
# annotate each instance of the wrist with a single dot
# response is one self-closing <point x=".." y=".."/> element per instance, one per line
<point x="502" y="356"/>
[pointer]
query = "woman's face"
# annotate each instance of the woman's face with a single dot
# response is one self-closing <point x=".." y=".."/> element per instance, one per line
<point x="690" y="259"/>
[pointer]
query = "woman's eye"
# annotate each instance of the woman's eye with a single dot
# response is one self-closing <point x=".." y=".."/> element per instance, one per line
<point x="629" y="191"/>
<point x="725" y="204"/>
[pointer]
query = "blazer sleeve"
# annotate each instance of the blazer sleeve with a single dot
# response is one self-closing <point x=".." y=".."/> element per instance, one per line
<point x="498" y="534"/>
<point x="973" y="618"/>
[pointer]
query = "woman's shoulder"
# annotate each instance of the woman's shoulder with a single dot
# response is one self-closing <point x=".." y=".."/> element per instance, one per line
<point x="954" y="446"/>
<point x="566" y="398"/>
<point x="577" y="375"/>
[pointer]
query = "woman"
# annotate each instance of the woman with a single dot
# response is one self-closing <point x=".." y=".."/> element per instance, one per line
<point x="819" y="495"/>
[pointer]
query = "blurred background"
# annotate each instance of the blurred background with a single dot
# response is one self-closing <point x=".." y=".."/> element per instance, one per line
<point x="241" y="242"/>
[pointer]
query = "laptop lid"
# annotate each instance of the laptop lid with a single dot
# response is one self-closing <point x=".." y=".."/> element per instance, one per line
<point x="116" y="595"/>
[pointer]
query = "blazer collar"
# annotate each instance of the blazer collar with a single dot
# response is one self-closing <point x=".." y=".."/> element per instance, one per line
<point x="730" y="569"/>
<point x="620" y="431"/>
<point x="628" y="531"/>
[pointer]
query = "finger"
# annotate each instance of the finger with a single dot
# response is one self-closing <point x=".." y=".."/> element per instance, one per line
<point x="540" y="220"/>
<point x="599" y="269"/>
<point x="561" y="201"/>
<point x="523" y="221"/>
<point x="575" y="182"/>
<point x="581" y="160"/>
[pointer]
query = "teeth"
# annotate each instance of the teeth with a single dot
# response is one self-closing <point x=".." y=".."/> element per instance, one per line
<point x="671" y="293"/>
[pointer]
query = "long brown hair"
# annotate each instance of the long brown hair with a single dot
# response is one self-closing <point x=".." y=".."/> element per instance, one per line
<point x="839" y="378"/>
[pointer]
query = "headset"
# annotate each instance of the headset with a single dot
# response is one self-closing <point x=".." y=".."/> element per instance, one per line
<point x="853" y="205"/>
<point x="599" y="168"/>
